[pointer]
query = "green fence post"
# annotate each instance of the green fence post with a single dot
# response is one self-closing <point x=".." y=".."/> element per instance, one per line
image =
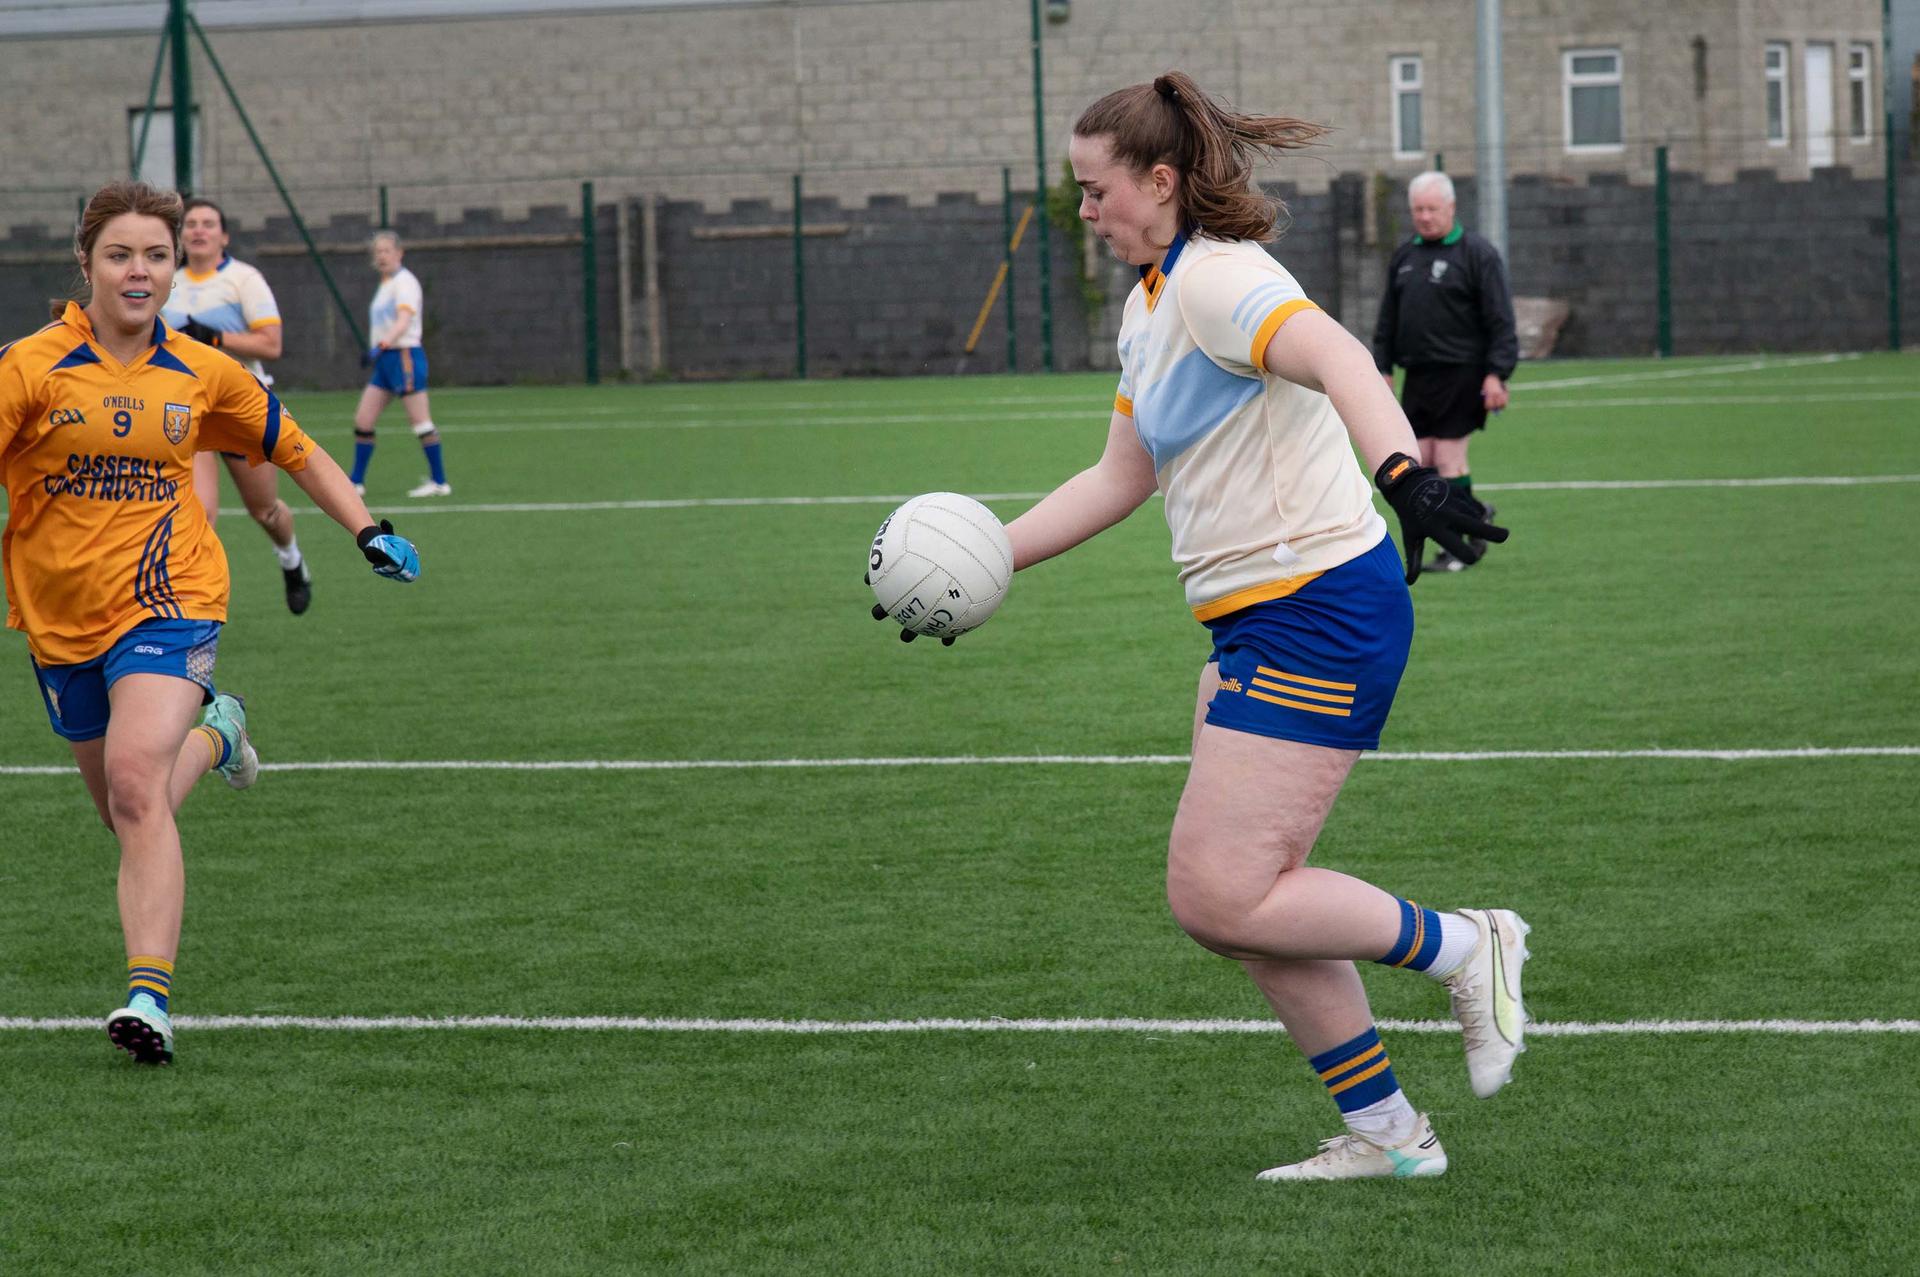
<point x="1662" y="257"/>
<point x="182" y="96"/>
<point x="1439" y="161"/>
<point x="1040" y="195"/>
<point x="383" y="223"/>
<point x="1892" y="178"/>
<point x="1006" y="248"/>
<point x="799" y="289"/>
<point x="590" y="282"/>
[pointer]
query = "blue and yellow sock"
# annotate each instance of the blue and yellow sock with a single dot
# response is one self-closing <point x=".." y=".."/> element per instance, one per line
<point x="151" y="976"/>
<point x="217" y="745"/>
<point x="1430" y="941"/>
<point x="1360" y="1078"/>
<point x="362" y="454"/>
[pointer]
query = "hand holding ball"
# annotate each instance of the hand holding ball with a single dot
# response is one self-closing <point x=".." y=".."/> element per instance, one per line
<point x="940" y="565"/>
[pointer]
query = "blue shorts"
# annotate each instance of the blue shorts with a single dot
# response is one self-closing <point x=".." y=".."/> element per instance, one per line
<point x="1321" y="665"/>
<point x="400" y="371"/>
<point x="76" y="695"/>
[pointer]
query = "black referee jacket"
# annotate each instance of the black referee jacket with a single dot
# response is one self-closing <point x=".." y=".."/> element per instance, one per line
<point x="1447" y="302"/>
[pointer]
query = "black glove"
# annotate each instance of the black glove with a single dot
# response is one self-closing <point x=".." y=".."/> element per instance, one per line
<point x="366" y="358"/>
<point x="906" y="636"/>
<point x="1429" y="506"/>
<point x="200" y="332"/>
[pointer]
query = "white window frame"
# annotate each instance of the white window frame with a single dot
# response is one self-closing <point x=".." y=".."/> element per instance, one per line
<point x="1781" y="75"/>
<point x="1589" y="80"/>
<point x="1860" y="84"/>
<point x="1399" y="88"/>
<point x="157" y="166"/>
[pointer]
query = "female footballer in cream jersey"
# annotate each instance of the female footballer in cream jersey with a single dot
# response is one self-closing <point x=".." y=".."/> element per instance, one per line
<point x="227" y="304"/>
<point x="1242" y="403"/>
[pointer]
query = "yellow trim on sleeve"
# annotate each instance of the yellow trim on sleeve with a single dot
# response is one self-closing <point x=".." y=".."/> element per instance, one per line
<point x="1266" y="593"/>
<point x="402" y="307"/>
<point x="1123" y="405"/>
<point x="1271" y="325"/>
<point x="271" y="321"/>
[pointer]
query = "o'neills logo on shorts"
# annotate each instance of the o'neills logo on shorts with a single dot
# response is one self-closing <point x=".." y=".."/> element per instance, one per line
<point x="178" y="419"/>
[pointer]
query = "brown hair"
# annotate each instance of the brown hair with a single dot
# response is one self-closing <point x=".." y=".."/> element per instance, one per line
<point x="109" y="202"/>
<point x="1213" y="148"/>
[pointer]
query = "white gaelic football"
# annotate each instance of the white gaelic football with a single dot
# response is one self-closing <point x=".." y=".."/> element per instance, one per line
<point x="940" y="564"/>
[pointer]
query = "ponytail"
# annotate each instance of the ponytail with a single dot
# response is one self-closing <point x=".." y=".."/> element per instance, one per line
<point x="1173" y="121"/>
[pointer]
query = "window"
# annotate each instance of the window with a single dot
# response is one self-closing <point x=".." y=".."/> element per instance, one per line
<point x="1860" y="92"/>
<point x="156" y="165"/>
<point x="1593" y="99"/>
<point x="1409" y="131"/>
<point x="1776" y="63"/>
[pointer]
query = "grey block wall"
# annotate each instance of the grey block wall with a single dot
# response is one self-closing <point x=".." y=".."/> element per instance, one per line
<point x="894" y="288"/>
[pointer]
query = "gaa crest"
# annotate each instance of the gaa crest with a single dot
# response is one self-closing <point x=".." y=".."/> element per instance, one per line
<point x="178" y="419"/>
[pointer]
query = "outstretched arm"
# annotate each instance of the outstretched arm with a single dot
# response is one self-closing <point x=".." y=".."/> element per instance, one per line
<point x="1089" y="503"/>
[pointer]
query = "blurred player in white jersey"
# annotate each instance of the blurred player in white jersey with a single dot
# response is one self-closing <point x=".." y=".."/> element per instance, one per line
<point x="399" y="368"/>
<point x="1242" y="402"/>
<point x="227" y="304"/>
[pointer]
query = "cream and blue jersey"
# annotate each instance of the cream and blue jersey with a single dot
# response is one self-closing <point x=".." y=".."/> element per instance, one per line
<point x="233" y="297"/>
<point x="398" y="294"/>
<point x="1262" y="490"/>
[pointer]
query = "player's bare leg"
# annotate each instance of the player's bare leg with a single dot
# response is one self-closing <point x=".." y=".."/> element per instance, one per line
<point x="420" y="417"/>
<point x="260" y="489"/>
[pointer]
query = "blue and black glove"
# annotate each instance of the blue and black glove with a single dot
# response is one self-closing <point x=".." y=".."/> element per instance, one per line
<point x="368" y="355"/>
<point x="1429" y="506"/>
<point x="390" y="555"/>
<point x="200" y="332"/>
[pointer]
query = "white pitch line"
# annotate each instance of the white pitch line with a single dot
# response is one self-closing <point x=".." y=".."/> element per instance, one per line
<point x="1031" y="760"/>
<point x="895" y="498"/>
<point x="1671" y="374"/>
<point x="669" y="1024"/>
<point x="1722" y="401"/>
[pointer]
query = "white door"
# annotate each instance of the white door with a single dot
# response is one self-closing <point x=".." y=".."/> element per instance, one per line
<point x="1819" y="99"/>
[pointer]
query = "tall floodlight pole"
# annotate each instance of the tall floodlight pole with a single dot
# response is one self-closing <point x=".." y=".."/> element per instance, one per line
<point x="1040" y="196"/>
<point x="1490" y="171"/>
<point x="182" y="96"/>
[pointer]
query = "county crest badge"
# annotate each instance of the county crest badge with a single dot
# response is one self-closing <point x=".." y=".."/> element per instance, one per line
<point x="178" y="420"/>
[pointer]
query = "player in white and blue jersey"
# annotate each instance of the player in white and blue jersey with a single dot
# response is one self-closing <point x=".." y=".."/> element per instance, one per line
<point x="1242" y="403"/>
<point x="227" y="303"/>
<point x="399" y="368"/>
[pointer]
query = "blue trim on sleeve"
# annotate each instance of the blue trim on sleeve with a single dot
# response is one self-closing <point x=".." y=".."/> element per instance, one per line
<point x="78" y="357"/>
<point x="164" y="358"/>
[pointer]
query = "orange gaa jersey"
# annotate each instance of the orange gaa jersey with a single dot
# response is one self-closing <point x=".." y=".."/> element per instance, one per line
<point x="103" y="530"/>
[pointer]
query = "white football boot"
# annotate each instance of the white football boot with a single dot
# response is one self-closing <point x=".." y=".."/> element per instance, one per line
<point x="143" y="1031"/>
<point x="431" y="489"/>
<point x="1352" y="1156"/>
<point x="1486" y="997"/>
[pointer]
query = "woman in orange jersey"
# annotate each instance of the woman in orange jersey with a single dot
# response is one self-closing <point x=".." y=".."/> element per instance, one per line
<point x="113" y="571"/>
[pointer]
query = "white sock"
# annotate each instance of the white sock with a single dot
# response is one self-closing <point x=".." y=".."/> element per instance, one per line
<point x="1389" y="1123"/>
<point x="1458" y="935"/>
<point x="288" y="554"/>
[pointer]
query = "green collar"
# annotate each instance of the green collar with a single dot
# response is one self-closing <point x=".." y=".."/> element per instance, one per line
<point x="1451" y="237"/>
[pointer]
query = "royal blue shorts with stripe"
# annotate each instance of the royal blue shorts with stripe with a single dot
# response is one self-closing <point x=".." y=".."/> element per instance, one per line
<point x="400" y="371"/>
<point x="1321" y="665"/>
<point x="76" y="695"/>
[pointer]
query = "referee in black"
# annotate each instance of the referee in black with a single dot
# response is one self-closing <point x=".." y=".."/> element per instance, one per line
<point x="1447" y="318"/>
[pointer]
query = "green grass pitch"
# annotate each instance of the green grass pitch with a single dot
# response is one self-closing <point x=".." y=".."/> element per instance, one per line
<point x="596" y="589"/>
